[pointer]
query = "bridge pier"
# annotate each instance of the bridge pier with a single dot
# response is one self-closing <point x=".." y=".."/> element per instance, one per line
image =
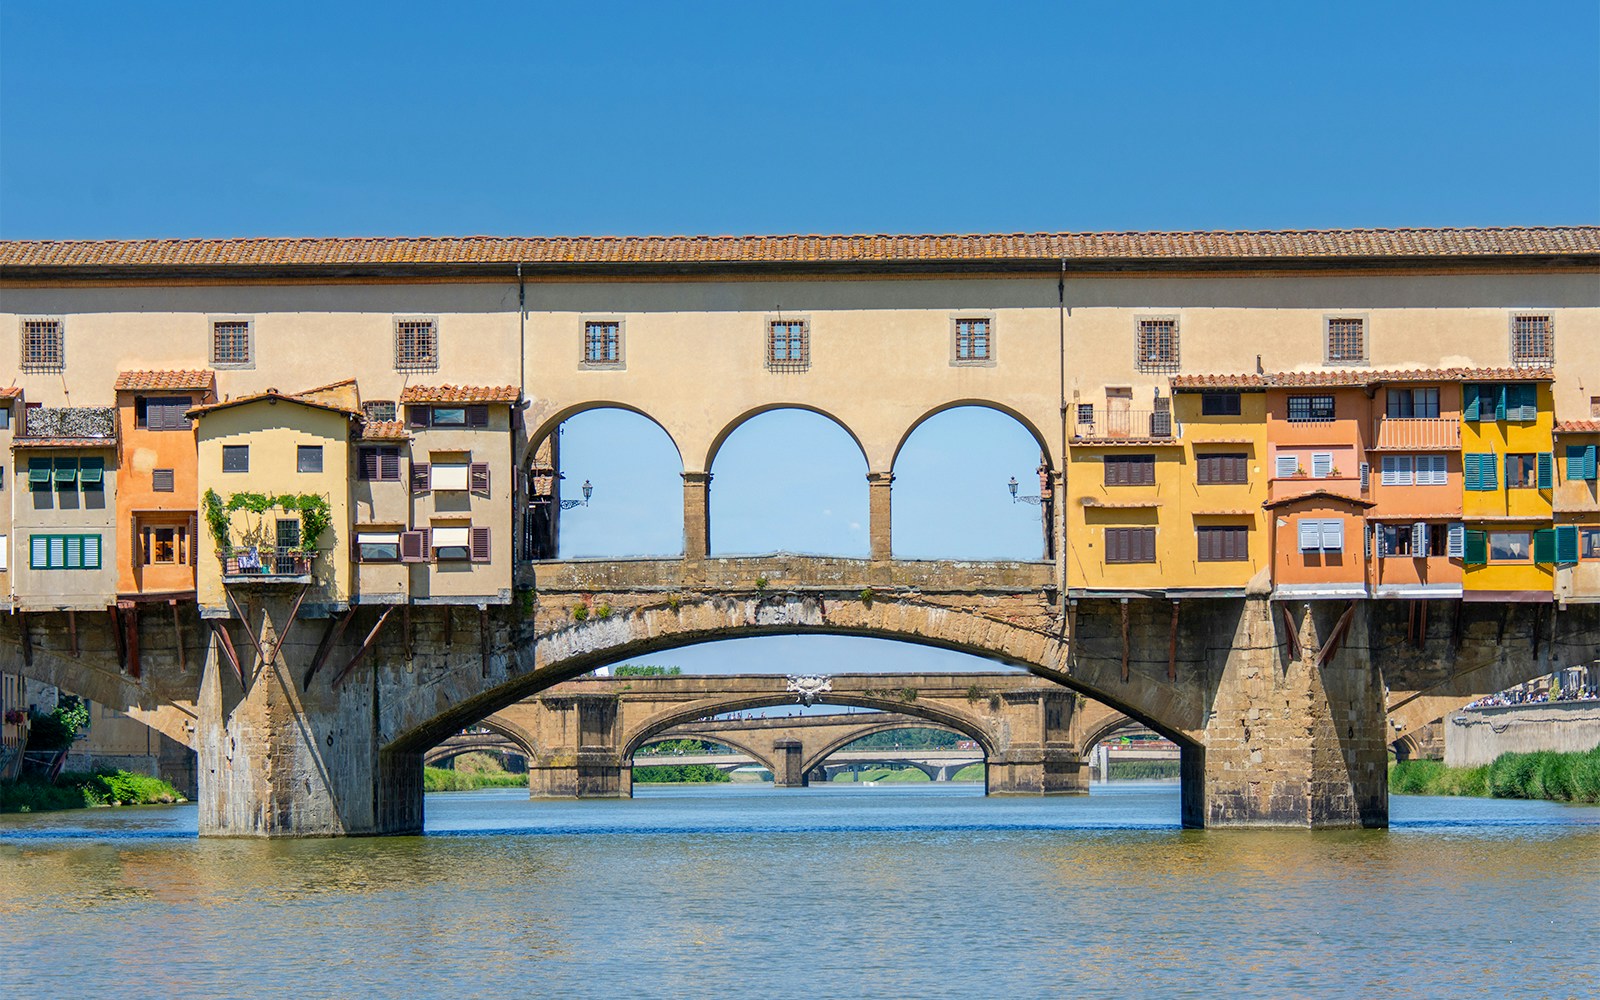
<point x="1051" y="770"/>
<point x="696" y="516"/>
<point x="588" y="774"/>
<point x="789" y="764"/>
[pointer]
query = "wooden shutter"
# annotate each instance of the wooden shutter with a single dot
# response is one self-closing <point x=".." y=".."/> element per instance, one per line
<point x="1567" y="543"/>
<point x="1333" y="535"/>
<point x="1310" y="534"/>
<point x="421" y="477"/>
<point x="1470" y="399"/>
<point x="1499" y="401"/>
<point x="367" y="464"/>
<point x="479" y="548"/>
<point x="1545" y="462"/>
<point x="389" y="464"/>
<point x="1203" y="467"/>
<point x="1114" y="471"/>
<point x="161" y="481"/>
<point x="478" y="478"/>
<point x="413" y="546"/>
<point x="1475" y="548"/>
<point x="1114" y="544"/>
<point x="1456" y="546"/>
<point x="421" y="416"/>
<point x="477" y="416"/>
<point x="1366" y="476"/>
<point x="1146" y="470"/>
<point x="1544" y="545"/>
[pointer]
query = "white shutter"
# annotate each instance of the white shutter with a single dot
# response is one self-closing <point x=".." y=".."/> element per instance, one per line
<point x="1397" y="470"/>
<point x="1382" y="533"/>
<point x="1419" y="540"/>
<point x="1456" y="547"/>
<point x="41" y="552"/>
<point x="1287" y="464"/>
<point x="1333" y="535"/>
<point x="4" y="565"/>
<point x="91" y="551"/>
<point x="1310" y="534"/>
<point x="1321" y="464"/>
<point x="1431" y="470"/>
<point x="1366" y="477"/>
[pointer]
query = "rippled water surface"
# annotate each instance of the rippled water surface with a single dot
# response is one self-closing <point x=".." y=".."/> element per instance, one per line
<point x="905" y="891"/>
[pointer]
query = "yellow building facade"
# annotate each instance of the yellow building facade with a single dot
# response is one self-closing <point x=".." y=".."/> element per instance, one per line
<point x="1508" y="473"/>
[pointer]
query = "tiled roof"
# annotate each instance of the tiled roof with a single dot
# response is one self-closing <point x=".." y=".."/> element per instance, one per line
<point x="384" y="430"/>
<point x="1356" y="378"/>
<point x="1578" y="427"/>
<point x="27" y="442"/>
<point x="331" y="385"/>
<point x="10" y="392"/>
<point x="191" y="380"/>
<point x="460" y="394"/>
<point x="1268" y="244"/>
<point x="269" y="394"/>
<point x="1319" y="495"/>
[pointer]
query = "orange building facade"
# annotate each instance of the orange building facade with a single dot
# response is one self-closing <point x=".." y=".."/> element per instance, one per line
<point x="158" y="496"/>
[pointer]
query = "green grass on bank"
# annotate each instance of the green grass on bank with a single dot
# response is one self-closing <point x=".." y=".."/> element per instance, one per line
<point x="80" y="791"/>
<point x="1558" y="777"/>
<point x="439" y="779"/>
<point x="1144" y="770"/>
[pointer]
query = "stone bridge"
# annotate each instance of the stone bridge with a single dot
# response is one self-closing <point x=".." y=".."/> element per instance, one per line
<point x="1283" y="710"/>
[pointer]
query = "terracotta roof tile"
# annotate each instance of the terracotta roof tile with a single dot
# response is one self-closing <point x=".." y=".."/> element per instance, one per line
<point x="1319" y="495"/>
<point x="384" y="430"/>
<point x="1225" y="245"/>
<point x="1359" y="378"/>
<point x="10" y="392"/>
<point x="1218" y="381"/>
<point x="1578" y="427"/>
<point x="201" y="380"/>
<point x="269" y="394"/>
<point x="460" y="394"/>
<point x="28" y="442"/>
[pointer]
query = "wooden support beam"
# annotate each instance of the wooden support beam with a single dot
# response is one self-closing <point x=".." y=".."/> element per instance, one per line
<point x="1292" y="631"/>
<point x="177" y="637"/>
<point x="366" y="644"/>
<point x="449" y="627"/>
<point x="483" y="637"/>
<point x="1072" y="632"/>
<point x="225" y="643"/>
<point x="72" y="631"/>
<point x="249" y="629"/>
<point x="1455" y="627"/>
<point x="1172" y="646"/>
<point x="1331" y="646"/>
<point x="1422" y="624"/>
<point x="130" y="622"/>
<point x="1505" y="614"/>
<point x="121" y="635"/>
<point x="27" y="638"/>
<point x="1124" y="640"/>
<point x="1537" y="635"/>
<point x="283" y="633"/>
<point x="330" y="638"/>
<point x="410" y="635"/>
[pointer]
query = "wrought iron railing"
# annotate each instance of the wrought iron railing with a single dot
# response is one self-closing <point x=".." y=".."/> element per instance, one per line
<point x="265" y="562"/>
<point x="1109" y="423"/>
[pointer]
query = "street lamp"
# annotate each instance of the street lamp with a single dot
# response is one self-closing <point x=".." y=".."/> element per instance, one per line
<point x="1012" y="486"/>
<point x="588" y="491"/>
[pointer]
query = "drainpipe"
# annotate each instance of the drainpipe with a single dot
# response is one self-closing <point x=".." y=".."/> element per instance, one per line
<point x="1058" y="513"/>
<point x="522" y="333"/>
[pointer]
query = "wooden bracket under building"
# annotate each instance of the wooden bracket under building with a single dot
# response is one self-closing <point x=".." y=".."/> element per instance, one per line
<point x="27" y="638"/>
<point x="449" y="627"/>
<point x="483" y="637"/>
<point x="1292" y="632"/>
<point x="1172" y="646"/>
<point x="249" y="630"/>
<point x="283" y="633"/>
<point x="1072" y="632"/>
<point x="409" y="635"/>
<point x="1336" y="637"/>
<point x="177" y="636"/>
<point x="366" y="644"/>
<point x="1455" y="628"/>
<point x="1124" y="640"/>
<point x="72" y="631"/>
<point x="330" y="637"/>
<point x="225" y="643"/>
<point x="128" y="612"/>
<point x="120" y="634"/>
<point x="1538" y="628"/>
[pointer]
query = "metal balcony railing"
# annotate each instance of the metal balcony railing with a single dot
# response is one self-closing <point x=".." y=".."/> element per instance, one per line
<point x="1104" y="423"/>
<point x="264" y="564"/>
<point x="1416" y="433"/>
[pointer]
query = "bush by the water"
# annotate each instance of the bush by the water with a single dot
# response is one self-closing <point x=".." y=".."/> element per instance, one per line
<point x="668" y="774"/>
<point x="79" y="791"/>
<point x="439" y="779"/>
<point x="1144" y="770"/>
<point x="1559" y="777"/>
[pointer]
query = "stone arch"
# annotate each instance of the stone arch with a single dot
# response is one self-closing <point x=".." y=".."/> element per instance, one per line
<point x="727" y="430"/>
<point x="761" y="759"/>
<point x="549" y="425"/>
<point x="1105" y="730"/>
<point x="985" y="743"/>
<point x="1045" y="453"/>
<point x="500" y="733"/>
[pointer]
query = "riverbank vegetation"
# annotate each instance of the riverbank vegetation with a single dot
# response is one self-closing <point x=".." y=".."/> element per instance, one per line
<point x="678" y="774"/>
<point x="1558" y="777"/>
<point x="81" y="791"/>
<point x="1144" y="770"/>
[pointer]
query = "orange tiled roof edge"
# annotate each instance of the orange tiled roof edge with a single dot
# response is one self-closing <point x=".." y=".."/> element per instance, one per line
<point x="1511" y="241"/>
<point x="1357" y="377"/>
<point x="384" y="430"/>
<point x="192" y="380"/>
<point x="460" y="394"/>
<point x="10" y="392"/>
<point x="1578" y="427"/>
<point x="270" y="394"/>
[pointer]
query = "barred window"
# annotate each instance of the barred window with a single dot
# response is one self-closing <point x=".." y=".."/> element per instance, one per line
<point x="379" y="410"/>
<point x="973" y="340"/>
<point x="788" y="345"/>
<point x="1158" y="345"/>
<point x="230" y="343"/>
<point x="416" y="345"/>
<point x="1533" y="341"/>
<point x="1347" y="341"/>
<point x="43" y="346"/>
<point x="602" y="343"/>
<point x="1307" y="409"/>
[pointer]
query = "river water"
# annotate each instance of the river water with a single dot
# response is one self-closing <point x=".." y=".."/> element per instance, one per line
<point x="889" y="891"/>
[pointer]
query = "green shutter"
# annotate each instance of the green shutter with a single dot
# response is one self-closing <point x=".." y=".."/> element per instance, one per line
<point x="66" y="470"/>
<point x="39" y="472"/>
<point x="1469" y="399"/>
<point x="1545" y="465"/>
<point x="1567" y="543"/>
<point x="1530" y="402"/>
<point x="1577" y="464"/>
<point x="1471" y="481"/>
<point x="93" y="471"/>
<point x="1589" y="465"/>
<point x="1544" y="545"/>
<point x="1500" y="402"/>
<point x="1477" y="552"/>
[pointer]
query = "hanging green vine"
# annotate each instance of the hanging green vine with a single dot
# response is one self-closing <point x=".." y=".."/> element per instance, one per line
<point x="316" y="514"/>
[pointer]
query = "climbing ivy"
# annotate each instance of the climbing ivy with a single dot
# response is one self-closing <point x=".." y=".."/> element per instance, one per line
<point x="316" y="514"/>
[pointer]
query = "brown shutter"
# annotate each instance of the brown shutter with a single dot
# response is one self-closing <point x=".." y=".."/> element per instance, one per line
<point x="367" y="463"/>
<point x="389" y="465"/>
<point x="1149" y="545"/>
<point x="413" y="546"/>
<point x="479" y="549"/>
<point x="1113" y="471"/>
<point x="1202" y="469"/>
<point x="477" y="416"/>
<point x="421" y="416"/>
<point x="1147" y="467"/>
<point x="478" y="477"/>
<point x="421" y="477"/>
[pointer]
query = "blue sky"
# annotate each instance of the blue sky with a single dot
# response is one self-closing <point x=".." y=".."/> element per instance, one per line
<point x="129" y="120"/>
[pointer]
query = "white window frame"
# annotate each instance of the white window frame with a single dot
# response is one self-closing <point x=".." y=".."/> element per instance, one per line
<point x="1437" y="470"/>
<point x="1398" y="470"/>
<point x="1321" y="465"/>
<point x="1283" y="471"/>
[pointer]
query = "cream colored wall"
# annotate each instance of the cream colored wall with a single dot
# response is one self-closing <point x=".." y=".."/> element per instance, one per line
<point x="274" y="431"/>
<point x="80" y="589"/>
<point x="8" y="495"/>
<point x="492" y="444"/>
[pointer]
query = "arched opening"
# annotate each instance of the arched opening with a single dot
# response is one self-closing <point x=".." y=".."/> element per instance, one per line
<point x="950" y="495"/>
<point x="788" y="480"/>
<point x="695" y="759"/>
<point x="899" y="752"/>
<point x="1128" y="751"/>
<point x="603" y="482"/>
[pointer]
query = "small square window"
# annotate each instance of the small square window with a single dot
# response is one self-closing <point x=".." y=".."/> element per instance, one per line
<point x="309" y="458"/>
<point x="43" y="346"/>
<point x="1221" y="404"/>
<point x="602" y="343"/>
<point x="1346" y="340"/>
<point x="788" y="345"/>
<point x="161" y="481"/>
<point x="232" y="343"/>
<point x="974" y="341"/>
<point x="1086" y="413"/>
<point x="1521" y="471"/>
<point x="235" y="458"/>
<point x="379" y="410"/>
<point x="1533" y="341"/>
<point x="5" y="418"/>
<point x="1157" y="347"/>
<point x="416" y="345"/>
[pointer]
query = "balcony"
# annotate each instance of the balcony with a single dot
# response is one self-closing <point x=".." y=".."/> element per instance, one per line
<point x="1416" y="434"/>
<point x="1102" y="424"/>
<point x="77" y="424"/>
<point x="266" y="564"/>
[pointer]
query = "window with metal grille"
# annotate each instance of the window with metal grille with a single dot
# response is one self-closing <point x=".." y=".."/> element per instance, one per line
<point x="1532" y="341"/>
<point x="1086" y="413"/>
<point x="416" y="345"/>
<point x="231" y="343"/>
<point x="1221" y="404"/>
<point x="1305" y="409"/>
<point x="602" y="343"/>
<point x="43" y="346"/>
<point x="1222" y="467"/>
<point x="161" y="481"/>
<point x="235" y="458"/>
<point x="973" y="340"/>
<point x="1130" y="545"/>
<point x="379" y="410"/>
<point x="1347" y="341"/>
<point x="309" y="458"/>
<point x="1130" y="470"/>
<point x="1157" y="345"/>
<point x="1222" y="543"/>
<point x="788" y="345"/>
